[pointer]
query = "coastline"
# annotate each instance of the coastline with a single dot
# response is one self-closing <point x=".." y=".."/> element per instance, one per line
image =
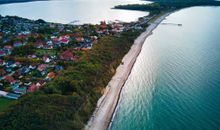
<point x="107" y="104"/>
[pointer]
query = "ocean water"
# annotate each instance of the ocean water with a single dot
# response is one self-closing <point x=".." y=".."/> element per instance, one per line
<point x="66" y="11"/>
<point x="175" y="82"/>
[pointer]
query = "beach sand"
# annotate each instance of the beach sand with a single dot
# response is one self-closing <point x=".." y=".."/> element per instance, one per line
<point x="107" y="103"/>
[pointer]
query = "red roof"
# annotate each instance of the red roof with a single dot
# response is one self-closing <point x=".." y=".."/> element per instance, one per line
<point x="32" y="88"/>
<point x="84" y="49"/>
<point x="64" y="40"/>
<point x="41" y="67"/>
<point x="51" y="75"/>
<point x="67" y="55"/>
<point x="79" y="39"/>
<point x="9" y="79"/>
<point x="64" y="37"/>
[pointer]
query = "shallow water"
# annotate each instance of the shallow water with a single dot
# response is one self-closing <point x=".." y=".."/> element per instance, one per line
<point x="175" y="83"/>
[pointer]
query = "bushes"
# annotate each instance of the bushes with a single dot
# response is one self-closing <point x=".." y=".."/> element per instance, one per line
<point x="39" y="111"/>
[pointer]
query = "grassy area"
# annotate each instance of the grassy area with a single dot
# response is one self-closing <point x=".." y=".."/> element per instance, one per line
<point x="4" y="103"/>
<point x="45" y="52"/>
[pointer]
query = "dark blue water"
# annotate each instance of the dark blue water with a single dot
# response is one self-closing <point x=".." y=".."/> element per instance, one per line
<point x="175" y="83"/>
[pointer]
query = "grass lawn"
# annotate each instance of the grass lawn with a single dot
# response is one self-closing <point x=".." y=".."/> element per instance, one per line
<point x="4" y="103"/>
<point x="45" y="52"/>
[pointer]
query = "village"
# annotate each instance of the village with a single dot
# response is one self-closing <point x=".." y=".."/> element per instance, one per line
<point x="32" y="52"/>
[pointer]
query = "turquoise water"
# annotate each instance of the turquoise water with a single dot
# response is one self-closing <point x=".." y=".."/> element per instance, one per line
<point x="66" y="11"/>
<point x="175" y="83"/>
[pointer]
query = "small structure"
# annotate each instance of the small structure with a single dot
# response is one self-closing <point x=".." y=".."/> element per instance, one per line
<point x="67" y="55"/>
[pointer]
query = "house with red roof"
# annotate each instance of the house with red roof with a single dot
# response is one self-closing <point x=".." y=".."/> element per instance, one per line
<point x="42" y="67"/>
<point x="64" y="41"/>
<point x="79" y="39"/>
<point x="32" y="88"/>
<point x="67" y="55"/>
<point x="51" y="75"/>
<point x="9" y="79"/>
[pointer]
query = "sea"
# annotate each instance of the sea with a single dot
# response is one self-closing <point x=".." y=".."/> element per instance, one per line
<point x="74" y="11"/>
<point x="175" y="82"/>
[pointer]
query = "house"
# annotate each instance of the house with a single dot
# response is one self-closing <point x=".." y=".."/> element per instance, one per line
<point x="27" y="82"/>
<point x="10" y="63"/>
<point x="67" y="55"/>
<point x="39" y="44"/>
<point x="33" y="66"/>
<point x="51" y="75"/>
<point x="58" y="68"/>
<point x="64" y="37"/>
<point x="18" y="64"/>
<point x="20" y="90"/>
<point x="41" y="67"/>
<point x="8" y="47"/>
<point x="46" y="59"/>
<point x="25" y="70"/>
<point x="64" y="41"/>
<point x="40" y="83"/>
<point x="9" y="79"/>
<point x="17" y="74"/>
<point x="48" y="47"/>
<point x="103" y="25"/>
<point x="21" y="36"/>
<point x="3" y="93"/>
<point x="89" y="46"/>
<point x="57" y="43"/>
<point x="79" y="39"/>
<point x="49" y="43"/>
<point x="32" y="88"/>
<point x="2" y="62"/>
<point x="32" y="56"/>
<point x="77" y="49"/>
<point x="17" y="44"/>
<point x="8" y="69"/>
<point x="15" y="85"/>
<point x="12" y="96"/>
<point x="2" y="53"/>
<point x="2" y="72"/>
<point x="84" y="49"/>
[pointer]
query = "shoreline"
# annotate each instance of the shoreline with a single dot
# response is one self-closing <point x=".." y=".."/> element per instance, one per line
<point x="106" y="105"/>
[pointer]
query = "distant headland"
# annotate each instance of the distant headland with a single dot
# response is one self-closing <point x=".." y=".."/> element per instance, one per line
<point x="16" y="1"/>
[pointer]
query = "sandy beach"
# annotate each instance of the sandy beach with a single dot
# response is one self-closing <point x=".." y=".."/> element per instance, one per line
<point x="107" y="103"/>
